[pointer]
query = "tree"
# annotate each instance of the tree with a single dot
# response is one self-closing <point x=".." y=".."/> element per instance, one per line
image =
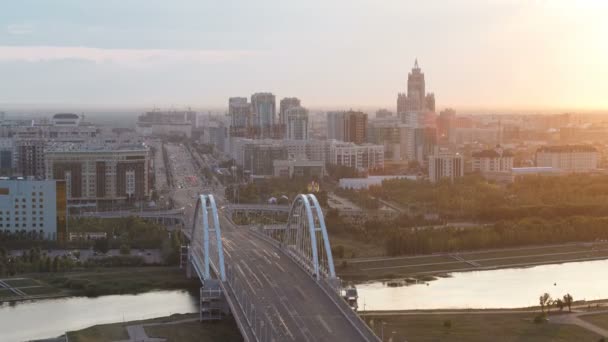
<point x="125" y="249"/>
<point x="544" y="300"/>
<point x="560" y="304"/>
<point x="101" y="245"/>
<point x="568" y="301"/>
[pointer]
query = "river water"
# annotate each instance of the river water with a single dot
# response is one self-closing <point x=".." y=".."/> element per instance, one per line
<point x="53" y="317"/>
<point x="504" y="288"/>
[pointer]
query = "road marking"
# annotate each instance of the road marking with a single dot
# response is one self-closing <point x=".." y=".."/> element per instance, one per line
<point x="280" y="267"/>
<point x="324" y="324"/>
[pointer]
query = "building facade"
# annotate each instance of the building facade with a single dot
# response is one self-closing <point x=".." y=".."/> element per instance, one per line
<point x="297" y="123"/>
<point x="348" y="126"/>
<point x="445" y="165"/>
<point x="263" y="107"/>
<point x="100" y="172"/>
<point x="568" y="158"/>
<point x="29" y="157"/>
<point x="494" y="160"/>
<point x="37" y="207"/>
<point x="363" y="157"/>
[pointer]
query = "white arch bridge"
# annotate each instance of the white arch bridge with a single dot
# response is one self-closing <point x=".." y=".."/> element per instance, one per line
<point x="280" y="285"/>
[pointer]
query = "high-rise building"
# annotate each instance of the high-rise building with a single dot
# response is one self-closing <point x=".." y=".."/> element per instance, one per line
<point x="297" y="123"/>
<point x="445" y="165"/>
<point x="100" y="172"/>
<point x="348" y="126"/>
<point x="264" y="113"/>
<point x="240" y="114"/>
<point x="416" y="98"/>
<point x="286" y="104"/>
<point x="29" y="157"/>
<point x="416" y="88"/>
<point x="445" y="123"/>
<point x="425" y="142"/>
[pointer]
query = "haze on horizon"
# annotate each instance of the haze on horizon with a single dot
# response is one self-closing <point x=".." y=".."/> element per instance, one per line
<point x="475" y="54"/>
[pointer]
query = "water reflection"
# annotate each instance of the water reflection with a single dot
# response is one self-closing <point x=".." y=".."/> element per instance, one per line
<point x="506" y="288"/>
<point x="53" y="317"/>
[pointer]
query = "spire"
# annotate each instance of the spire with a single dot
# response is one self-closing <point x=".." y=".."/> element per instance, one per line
<point x="416" y="63"/>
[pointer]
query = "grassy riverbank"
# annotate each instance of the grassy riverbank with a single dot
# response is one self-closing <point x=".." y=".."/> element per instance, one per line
<point x="99" y="281"/>
<point x="425" y="265"/>
<point x="181" y="328"/>
<point x="475" y="327"/>
<point x="120" y="280"/>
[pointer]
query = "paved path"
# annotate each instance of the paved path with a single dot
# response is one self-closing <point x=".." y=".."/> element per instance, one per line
<point x="137" y="332"/>
<point x="574" y="318"/>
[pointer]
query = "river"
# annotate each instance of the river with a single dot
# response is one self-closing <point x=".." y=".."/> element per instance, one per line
<point x="52" y="317"/>
<point x="503" y="288"/>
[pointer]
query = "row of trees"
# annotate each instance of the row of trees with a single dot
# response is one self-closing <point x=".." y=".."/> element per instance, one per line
<point x="546" y="301"/>
<point x="473" y="197"/>
<point x="504" y="234"/>
<point x="33" y="260"/>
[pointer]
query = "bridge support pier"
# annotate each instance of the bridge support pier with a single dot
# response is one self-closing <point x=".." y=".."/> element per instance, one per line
<point x="213" y="304"/>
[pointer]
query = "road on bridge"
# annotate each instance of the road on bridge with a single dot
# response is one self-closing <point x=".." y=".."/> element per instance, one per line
<point x="298" y="309"/>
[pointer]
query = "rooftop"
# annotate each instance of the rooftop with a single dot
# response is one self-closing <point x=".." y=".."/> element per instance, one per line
<point x="567" y="148"/>
<point x="59" y="147"/>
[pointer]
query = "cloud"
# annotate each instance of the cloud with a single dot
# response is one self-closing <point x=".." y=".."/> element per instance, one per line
<point x="20" y="29"/>
<point x="128" y="57"/>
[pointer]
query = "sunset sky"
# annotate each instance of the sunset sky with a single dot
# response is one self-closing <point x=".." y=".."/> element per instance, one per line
<point x="475" y="54"/>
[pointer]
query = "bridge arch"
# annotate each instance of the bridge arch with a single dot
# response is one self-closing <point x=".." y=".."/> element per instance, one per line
<point x="206" y="206"/>
<point x="306" y="239"/>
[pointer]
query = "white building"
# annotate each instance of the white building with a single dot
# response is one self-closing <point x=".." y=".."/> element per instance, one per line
<point x="365" y="183"/>
<point x="297" y="123"/>
<point x="361" y="157"/>
<point x="33" y="206"/>
<point x="494" y="160"/>
<point x="568" y="158"/>
<point x="299" y="168"/>
<point x="445" y="165"/>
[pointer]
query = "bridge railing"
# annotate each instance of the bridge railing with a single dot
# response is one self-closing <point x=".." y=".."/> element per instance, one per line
<point x="256" y="318"/>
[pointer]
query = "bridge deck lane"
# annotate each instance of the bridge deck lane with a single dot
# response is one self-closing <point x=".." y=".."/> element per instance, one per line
<point x="298" y="309"/>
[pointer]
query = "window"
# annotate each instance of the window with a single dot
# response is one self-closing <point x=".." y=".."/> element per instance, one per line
<point x="33" y="200"/>
<point x="23" y="206"/>
<point x="41" y="206"/>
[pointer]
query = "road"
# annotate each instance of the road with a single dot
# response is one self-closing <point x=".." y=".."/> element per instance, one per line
<point x="289" y="298"/>
<point x="292" y="301"/>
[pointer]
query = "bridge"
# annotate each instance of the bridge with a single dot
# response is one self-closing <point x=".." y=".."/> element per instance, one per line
<point x="279" y="284"/>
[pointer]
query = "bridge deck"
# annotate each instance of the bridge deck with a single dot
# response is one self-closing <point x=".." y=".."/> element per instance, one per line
<point x="298" y="309"/>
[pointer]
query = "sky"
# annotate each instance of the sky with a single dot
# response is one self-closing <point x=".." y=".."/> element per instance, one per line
<point x="528" y="54"/>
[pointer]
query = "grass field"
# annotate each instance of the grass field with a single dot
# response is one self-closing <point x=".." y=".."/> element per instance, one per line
<point x="119" y="280"/>
<point x="225" y="330"/>
<point x="601" y="320"/>
<point x="395" y="267"/>
<point x="475" y="328"/>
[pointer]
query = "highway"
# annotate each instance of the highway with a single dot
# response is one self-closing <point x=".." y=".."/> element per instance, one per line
<point x="287" y="296"/>
<point x="297" y="307"/>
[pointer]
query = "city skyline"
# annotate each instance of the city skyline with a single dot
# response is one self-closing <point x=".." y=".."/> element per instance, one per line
<point x="503" y="55"/>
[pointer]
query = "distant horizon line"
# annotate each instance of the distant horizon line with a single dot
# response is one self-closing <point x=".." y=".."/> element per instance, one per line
<point x="37" y="108"/>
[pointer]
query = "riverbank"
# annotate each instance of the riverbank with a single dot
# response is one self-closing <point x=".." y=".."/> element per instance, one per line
<point x="587" y="322"/>
<point x="178" y="327"/>
<point x="96" y="282"/>
<point x="426" y="266"/>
